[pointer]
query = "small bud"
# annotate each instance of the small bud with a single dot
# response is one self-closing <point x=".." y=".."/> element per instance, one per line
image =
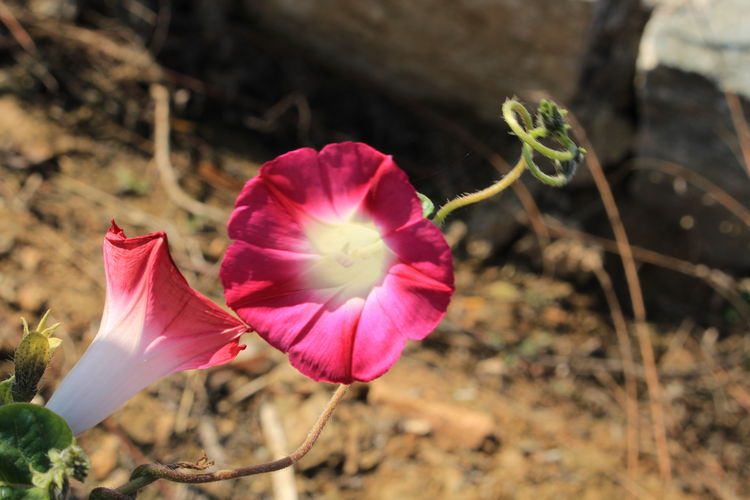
<point x="70" y="462"/>
<point x="31" y="361"/>
<point x="32" y="357"/>
<point x="73" y="460"/>
<point x="552" y="118"/>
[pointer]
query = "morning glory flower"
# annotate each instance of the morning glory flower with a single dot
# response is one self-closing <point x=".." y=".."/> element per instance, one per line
<point x="334" y="263"/>
<point x="153" y="325"/>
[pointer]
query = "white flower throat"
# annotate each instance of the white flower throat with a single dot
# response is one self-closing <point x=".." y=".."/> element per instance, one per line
<point x="352" y="253"/>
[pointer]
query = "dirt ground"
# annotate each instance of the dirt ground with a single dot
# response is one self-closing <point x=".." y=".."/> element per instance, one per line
<point x="520" y="393"/>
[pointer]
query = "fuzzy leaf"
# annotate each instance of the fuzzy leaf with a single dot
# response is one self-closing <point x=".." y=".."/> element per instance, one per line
<point x="27" y="434"/>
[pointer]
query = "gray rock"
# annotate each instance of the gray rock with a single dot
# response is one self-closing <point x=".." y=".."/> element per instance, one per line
<point x="605" y="98"/>
<point x="708" y="37"/>
<point x="472" y="52"/>
<point x="691" y="53"/>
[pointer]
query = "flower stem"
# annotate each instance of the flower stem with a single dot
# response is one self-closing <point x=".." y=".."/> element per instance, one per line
<point x="147" y="474"/>
<point x="510" y="108"/>
<point x="485" y="193"/>
<point x="550" y="121"/>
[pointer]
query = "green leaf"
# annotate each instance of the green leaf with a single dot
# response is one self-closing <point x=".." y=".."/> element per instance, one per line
<point x="6" y="391"/>
<point x="16" y="493"/>
<point x="427" y="206"/>
<point x="27" y="433"/>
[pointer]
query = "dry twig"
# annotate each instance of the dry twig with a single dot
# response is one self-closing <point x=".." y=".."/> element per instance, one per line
<point x="676" y="170"/>
<point x="282" y="480"/>
<point x="722" y="283"/>
<point x="164" y="164"/>
<point x="628" y="363"/>
<point x="740" y="126"/>
<point x="147" y="474"/>
<point x="268" y="121"/>
<point x="16" y="30"/>
<point x="639" y="308"/>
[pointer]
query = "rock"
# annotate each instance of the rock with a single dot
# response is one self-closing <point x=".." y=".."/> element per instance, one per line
<point x="104" y="457"/>
<point x="155" y="429"/>
<point x="709" y="38"/>
<point x="471" y="55"/>
<point x="471" y="52"/>
<point x="407" y="394"/>
<point x="684" y="68"/>
<point x="605" y="99"/>
<point x="32" y="297"/>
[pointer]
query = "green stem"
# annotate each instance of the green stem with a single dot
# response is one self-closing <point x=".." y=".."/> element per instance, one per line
<point x="485" y="193"/>
<point x="559" y="180"/>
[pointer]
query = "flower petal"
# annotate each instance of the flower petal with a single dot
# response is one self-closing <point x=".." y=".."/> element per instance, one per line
<point x="305" y="189"/>
<point x="154" y="324"/>
<point x="329" y="184"/>
<point x="371" y="274"/>
<point x="392" y="201"/>
<point x="323" y="349"/>
<point x="378" y="342"/>
<point x="409" y="304"/>
<point x="252" y="274"/>
<point x="262" y="218"/>
<point x="422" y="246"/>
<point x="282" y="319"/>
<point x="351" y="168"/>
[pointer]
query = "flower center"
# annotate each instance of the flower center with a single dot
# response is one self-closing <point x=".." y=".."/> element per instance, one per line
<point x="352" y="253"/>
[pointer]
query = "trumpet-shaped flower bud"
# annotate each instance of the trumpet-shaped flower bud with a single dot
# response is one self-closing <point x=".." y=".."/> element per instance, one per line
<point x="334" y="263"/>
<point x="154" y="324"/>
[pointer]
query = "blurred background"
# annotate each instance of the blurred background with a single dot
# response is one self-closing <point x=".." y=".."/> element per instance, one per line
<point x="598" y="343"/>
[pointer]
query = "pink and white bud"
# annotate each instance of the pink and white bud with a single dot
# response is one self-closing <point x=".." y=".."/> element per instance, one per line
<point x="153" y="325"/>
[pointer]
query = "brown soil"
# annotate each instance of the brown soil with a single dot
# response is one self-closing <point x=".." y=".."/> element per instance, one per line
<point x="518" y="394"/>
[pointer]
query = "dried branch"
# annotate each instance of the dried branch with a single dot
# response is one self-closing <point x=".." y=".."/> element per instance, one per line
<point x="146" y="474"/>
<point x="628" y="364"/>
<point x="164" y="164"/>
<point x="16" y="30"/>
<point x="676" y="170"/>
<point x="639" y="308"/>
<point x="282" y="480"/>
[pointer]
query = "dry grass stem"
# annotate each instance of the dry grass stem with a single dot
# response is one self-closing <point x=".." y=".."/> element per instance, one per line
<point x="284" y="487"/>
<point x="740" y="126"/>
<point x="676" y="170"/>
<point x="164" y="164"/>
<point x="628" y="364"/>
<point x="15" y="28"/>
<point x="639" y="308"/>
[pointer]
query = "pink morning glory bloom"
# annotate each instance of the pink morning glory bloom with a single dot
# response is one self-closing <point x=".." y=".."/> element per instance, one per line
<point x="154" y="324"/>
<point x="334" y="263"/>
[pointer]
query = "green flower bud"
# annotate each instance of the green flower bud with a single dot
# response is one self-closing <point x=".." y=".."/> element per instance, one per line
<point x="32" y="357"/>
<point x="70" y="462"/>
<point x="73" y="460"/>
<point x="552" y="118"/>
<point x="6" y="391"/>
